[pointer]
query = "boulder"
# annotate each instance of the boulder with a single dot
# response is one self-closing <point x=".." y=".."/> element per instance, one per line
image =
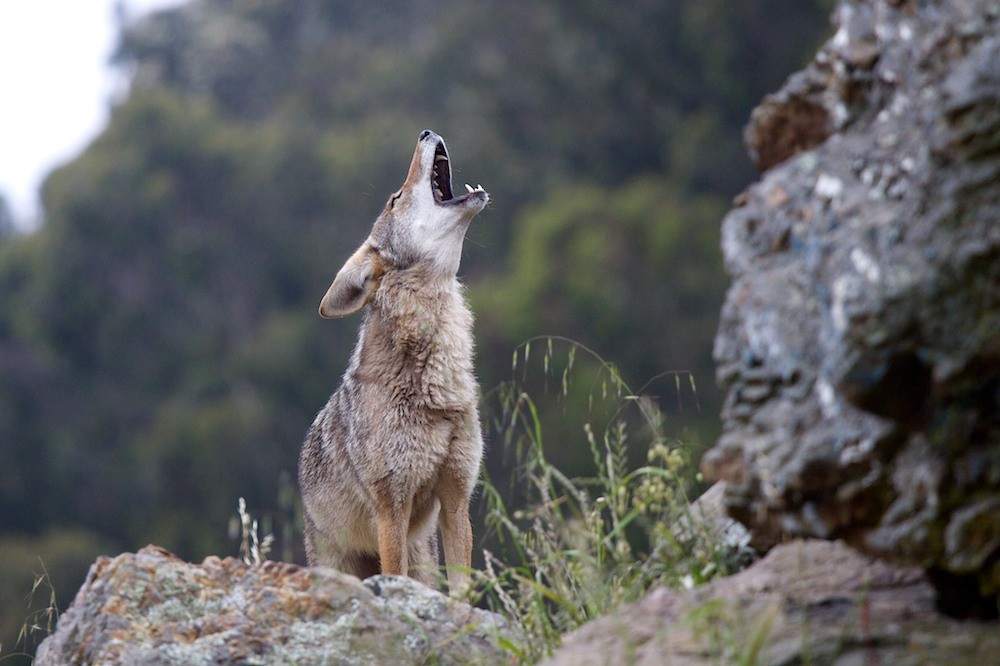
<point x="153" y="608"/>
<point x="859" y="343"/>
<point x="817" y="602"/>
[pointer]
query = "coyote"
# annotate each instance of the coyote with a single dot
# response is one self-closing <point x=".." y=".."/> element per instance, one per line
<point x="397" y="448"/>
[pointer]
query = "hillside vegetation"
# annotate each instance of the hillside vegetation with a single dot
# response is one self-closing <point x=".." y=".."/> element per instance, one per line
<point x="160" y="352"/>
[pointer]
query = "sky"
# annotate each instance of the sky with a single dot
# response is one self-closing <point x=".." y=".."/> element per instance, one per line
<point x="55" y="87"/>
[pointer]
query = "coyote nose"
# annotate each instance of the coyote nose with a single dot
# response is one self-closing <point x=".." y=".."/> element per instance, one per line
<point x="424" y="135"/>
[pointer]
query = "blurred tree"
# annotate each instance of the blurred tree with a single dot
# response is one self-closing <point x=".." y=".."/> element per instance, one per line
<point x="171" y="233"/>
<point x="7" y="222"/>
<point x="159" y="351"/>
<point x="633" y="270"/>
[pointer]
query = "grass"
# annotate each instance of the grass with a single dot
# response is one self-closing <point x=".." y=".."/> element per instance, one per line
<point x="253" y="549"/>
<point x="586" y="545"/>
<point x="39" y="623"/>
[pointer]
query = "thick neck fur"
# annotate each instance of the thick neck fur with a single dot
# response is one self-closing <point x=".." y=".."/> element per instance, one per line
<point x="417" y="336"/>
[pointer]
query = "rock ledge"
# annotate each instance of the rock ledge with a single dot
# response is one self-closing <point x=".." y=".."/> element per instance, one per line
<point x="806" y="602"/>
<point x="153" y="608"/>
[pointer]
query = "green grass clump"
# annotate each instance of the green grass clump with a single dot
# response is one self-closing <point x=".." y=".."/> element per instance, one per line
<point x="585" y="545"/>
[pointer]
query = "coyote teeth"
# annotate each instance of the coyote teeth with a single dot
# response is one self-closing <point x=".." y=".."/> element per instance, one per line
<point x="469" y="187"/>
<point x="438" y="158"/>
<point x="477" y="188"/>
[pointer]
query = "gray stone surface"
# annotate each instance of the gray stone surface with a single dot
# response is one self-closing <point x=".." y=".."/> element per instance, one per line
<point x="806" y="602"/>
<point x="153" y="608"/>
<point x="860" y="340"/>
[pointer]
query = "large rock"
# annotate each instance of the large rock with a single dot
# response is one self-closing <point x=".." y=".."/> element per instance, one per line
<point x="153" y="608"/>
<point x="814" y="602"/>
<point x="860" y="339"/>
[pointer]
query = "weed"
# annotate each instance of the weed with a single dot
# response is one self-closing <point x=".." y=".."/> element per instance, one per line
<point x="586" y="545"/>
<point x="40" y="622"/>
<point x="727" y="632"/>
<point x="253" y="551"/>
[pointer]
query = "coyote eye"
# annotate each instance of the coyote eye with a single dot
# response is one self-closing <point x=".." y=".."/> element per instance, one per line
<point x="393" y="198"/>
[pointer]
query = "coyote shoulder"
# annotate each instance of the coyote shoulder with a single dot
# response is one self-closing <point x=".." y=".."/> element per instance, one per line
<point x="396" y="450"/>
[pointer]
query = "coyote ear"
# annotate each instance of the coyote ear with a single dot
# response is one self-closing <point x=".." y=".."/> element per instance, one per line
<point x="353" y="287"/>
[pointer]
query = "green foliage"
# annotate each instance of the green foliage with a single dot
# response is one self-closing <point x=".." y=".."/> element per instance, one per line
<point x="583" y="546"/>
<point x="636" y="269"/>
<point x="159" y="351"/>
<point x="143" y="345"/>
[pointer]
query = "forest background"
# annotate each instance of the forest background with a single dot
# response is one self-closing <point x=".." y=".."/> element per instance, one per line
<point x="160" y="351"/>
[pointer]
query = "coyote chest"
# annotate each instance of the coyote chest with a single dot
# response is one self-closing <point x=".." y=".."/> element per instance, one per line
<point x="427" y="339"/>
<point x="411" y="382"/>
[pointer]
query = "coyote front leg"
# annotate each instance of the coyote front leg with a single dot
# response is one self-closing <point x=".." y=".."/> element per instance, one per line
<point x="456" y="531"/>
<point x="393" y="522"/>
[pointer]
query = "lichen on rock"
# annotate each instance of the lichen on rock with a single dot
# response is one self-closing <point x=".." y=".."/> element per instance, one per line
<point x="153" y="608"/>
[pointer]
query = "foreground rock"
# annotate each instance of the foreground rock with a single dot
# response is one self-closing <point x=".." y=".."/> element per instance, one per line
<point x="806" y="602"/>
<point x="860" y="340"/>
<point x="152" y="608"/>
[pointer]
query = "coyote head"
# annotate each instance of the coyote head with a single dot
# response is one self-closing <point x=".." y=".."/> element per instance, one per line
<point x="423" y="225"/>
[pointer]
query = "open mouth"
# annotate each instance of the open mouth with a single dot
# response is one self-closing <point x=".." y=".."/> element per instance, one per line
<point x="441" y="179"/>
<point x="441" y="176"/>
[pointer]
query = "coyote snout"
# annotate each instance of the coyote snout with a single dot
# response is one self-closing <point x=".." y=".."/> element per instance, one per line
<point x="396" y="450"/>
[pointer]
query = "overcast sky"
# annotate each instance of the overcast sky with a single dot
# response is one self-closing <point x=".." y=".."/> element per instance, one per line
<point x="56" y="85"/>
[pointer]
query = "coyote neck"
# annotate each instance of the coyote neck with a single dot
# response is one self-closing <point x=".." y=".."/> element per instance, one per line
<point x="419" y="338"/>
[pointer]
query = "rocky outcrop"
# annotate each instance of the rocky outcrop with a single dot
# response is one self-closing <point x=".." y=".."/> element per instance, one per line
<point x="860" y="340"/>
<point x="153" y="608"/>
<point x="806" y="602"/>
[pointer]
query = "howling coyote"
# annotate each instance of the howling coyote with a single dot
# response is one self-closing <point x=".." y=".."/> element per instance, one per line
<point x="397" y="448"/>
